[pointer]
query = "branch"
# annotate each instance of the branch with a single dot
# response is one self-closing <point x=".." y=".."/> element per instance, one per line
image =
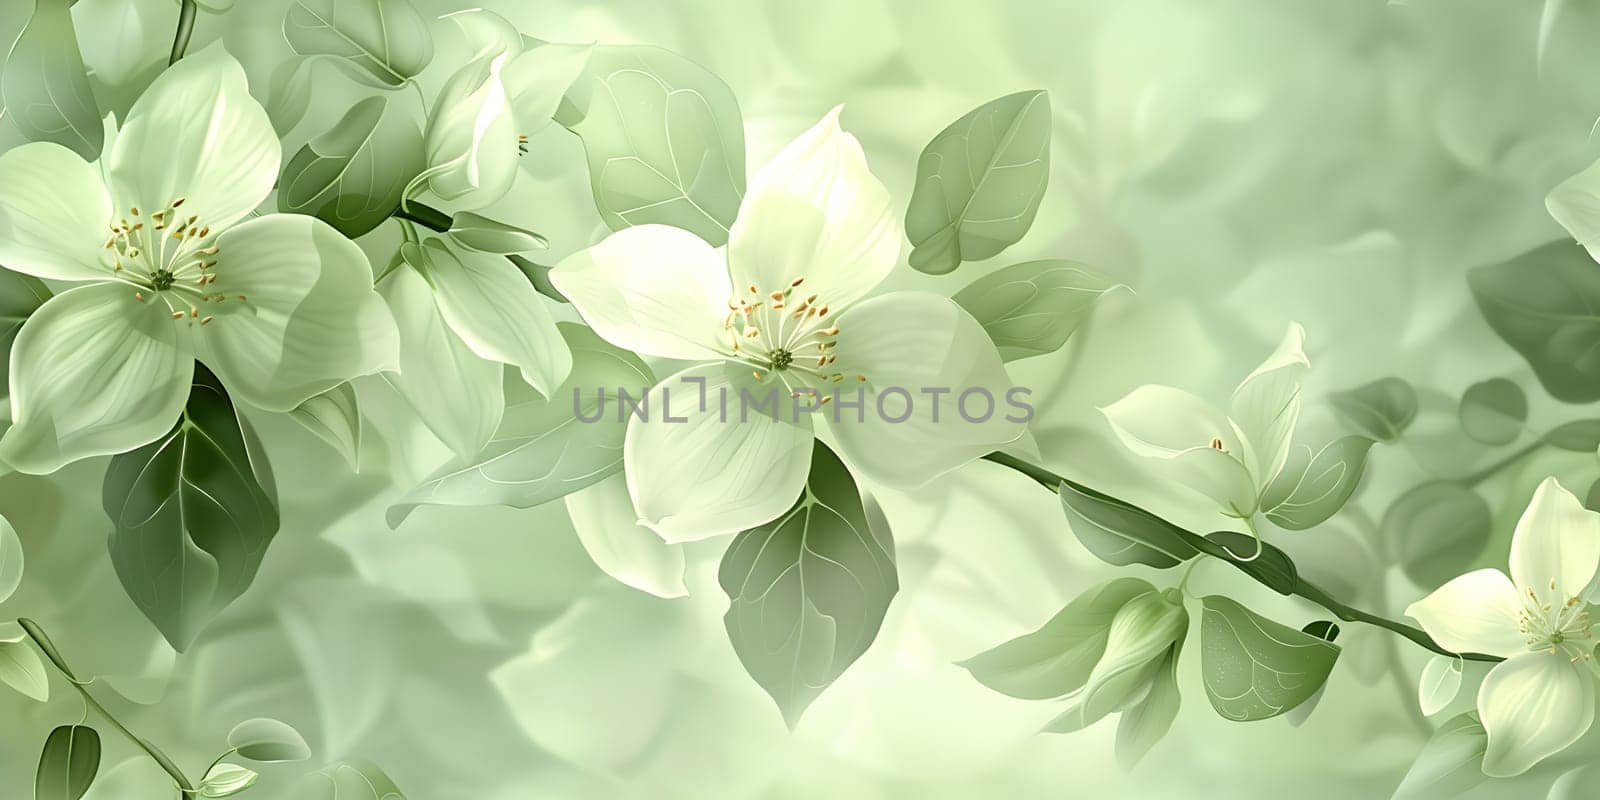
<point x="180" y="41"/>
<point x="1301" y="588"/>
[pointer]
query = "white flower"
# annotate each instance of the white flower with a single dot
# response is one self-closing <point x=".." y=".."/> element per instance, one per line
<point x="782" y="308"/>
<point x="1230" y="456"/>
<point x="280" y="307"/>
<point x="1541" y="698"/>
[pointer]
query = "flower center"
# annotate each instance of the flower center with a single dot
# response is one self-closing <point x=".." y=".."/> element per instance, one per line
<point x="780" y="331"/>
<point x="1552" y="626"/>
<point x="169" y="256"/>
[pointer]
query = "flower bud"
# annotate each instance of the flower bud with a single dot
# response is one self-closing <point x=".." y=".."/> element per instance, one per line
<point x="1143" y="634"/>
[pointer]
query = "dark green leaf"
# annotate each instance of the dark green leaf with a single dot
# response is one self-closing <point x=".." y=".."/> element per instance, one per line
<point x="1543" y="303"/>
<point x="353" y="176"/>
<point x="1032" y="308"/>
<point x="68" y="764"/>
<point x="541" y="450"/>
<point x="268" y="741"/>
<point x="1310" y="489"/>
<point x="809" y="589"/>
<point x="1324" y="629"/>
<point x="1441" y="528"/>
<point x="1493" y="411"/>
<point x="45" y="85"/>
<point x="1381" y="410"/>
<point x="1056" y="659"/>
<point x="1581" y="435"/>
<point x="386" y="41"/>
<point x="1254" y="668"/>
<point x="979" y="182"/>
<point x="664" y="139"/>
<point x="1450" y="763"/>
<point x="1272" y="567"/>
<point x="1122" y="534"/>
<point x="20" y="296"/>
<point x="191" y="514"/>
<point x="348" y="780"/>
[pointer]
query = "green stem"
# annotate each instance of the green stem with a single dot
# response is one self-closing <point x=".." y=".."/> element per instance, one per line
<point x="180" y="41"/>
<point x="42" y="641"/>
<point x="1490" y="471"/>
<point x="1302" y="588"/>
<point x="435" y="220"/>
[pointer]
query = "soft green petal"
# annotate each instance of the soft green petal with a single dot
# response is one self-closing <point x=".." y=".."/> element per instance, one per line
<point x="1477" y="612"/>
<point x="699" y="466"/>
<point x="1533" y="705"/>
<point x="1556" y="547"/>
<point x="537" y="80"/>
<point x="633" y="554"/>
<point x="653" y="289"/>
<point x="1576" y="205"/>
<point x="459" y="396"/>
<point x="55" y="214"/>
<point x="309" y="320"/>
<point x="816" y="212"/>
<point x="94" y="371"/>
<point x="491" y="305"/>
<point x="905" y="343"/>
<point x="198" y="135"/>
<point x="472" y="136"/>
<point x="1199" y="445"/>
<point x="1266" y="406"/>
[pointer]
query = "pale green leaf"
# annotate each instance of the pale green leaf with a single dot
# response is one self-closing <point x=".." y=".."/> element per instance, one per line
<point x="979" y="182"/>
<point x="11" y="560"/>
<point x="20" y="666"/>
<point x="335" y="418"/>
<point x="1544" y="304"/>
<point x="1493" y="411"/>
<point x="1382" y="409"/>
<point x="383" y="41"/>
<point x="1450" y="763"/>
<point x="1439" y="684"/>
<point x="348" y="780"/>
<point x="20" y="296"/>
<point x="664" y="139"/>
<point x="1310" y="489"/>
<point x="227" y="780"/>
<point x="352" y="177"/>
<point x="1440" y="528"/>
<point x="268" y="741"/>
<point x="68" y="764"/>
<point x="809" y="590"/>
<point x="1032" y="308"/>
<point x="1254" y="668"/>
<point x="477" y="232"/>
<point x="45" y="84"/>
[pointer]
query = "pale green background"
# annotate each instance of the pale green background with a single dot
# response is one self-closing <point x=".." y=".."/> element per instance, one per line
<point x="1241" y="164"/>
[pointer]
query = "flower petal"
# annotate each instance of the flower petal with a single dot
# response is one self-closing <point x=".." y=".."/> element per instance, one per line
<point x="471" y="141"/>
<point x="816" y="212"/>
<point x="910" y="346"/>
<point x="491" y="305"/>
<point x="653" y="289"/>
<point x="603" y="516"/>
<point x="1266" y="405"/>
<point x="94" y="371"/>
<point x="1476" y="612"/>
<point x="54" y="214"/>
<point x="1533" y="705"/>
<point x="197" y="134"/>
<point x="1556" y="547"/>
<point x="1170" y="424"/>
<point x="1575" y="203"/>
<point x="459" y="396"/>
<point x="310" y="319"/>
<point x="701" y="465"/>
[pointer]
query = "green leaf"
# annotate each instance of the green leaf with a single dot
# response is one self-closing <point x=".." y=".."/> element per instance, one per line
<point x="1254" y="668"/>
<point x="1325" y="629"/>
<point x="10" y="559"/>
<point x="664" y="139"/>
<point x="1148" y="721"/>
<point x="979" y="182"/>
<point x="268" y="741"/>
<point x="383" y="42"/>
<point x="1543" y="303"/>
<point x="477" y="232"/>
<point x="68" y="764"/>
<point x="46" y="87"/>
<point x="348" y="780"/>
<point x="20" y="665"/>
<point x="809" y="589"/>
<point x="1310" y="489"/>
<point x="1493" y="411"/>
<point x="1057" y="658"/>
<point x="227" y="780"/>
<point x="1121" y="534"/>
<point x="1441" y="528"/>
<point x="1271" y="566"/>
<point x="1381" y="410"/>
<point x="542" y="449"/>
<point x="1581" y="435"/>
<point x="1032" y="308"/>
<point x="352" y="177"/>
<point x="192" y="518"/>
<point x="20" y="296"/>
<point x="289" y="94"/>
<point x="1440" y="682"/>
<point x="335" y="418"/>
<point x="1450" y="763"/>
